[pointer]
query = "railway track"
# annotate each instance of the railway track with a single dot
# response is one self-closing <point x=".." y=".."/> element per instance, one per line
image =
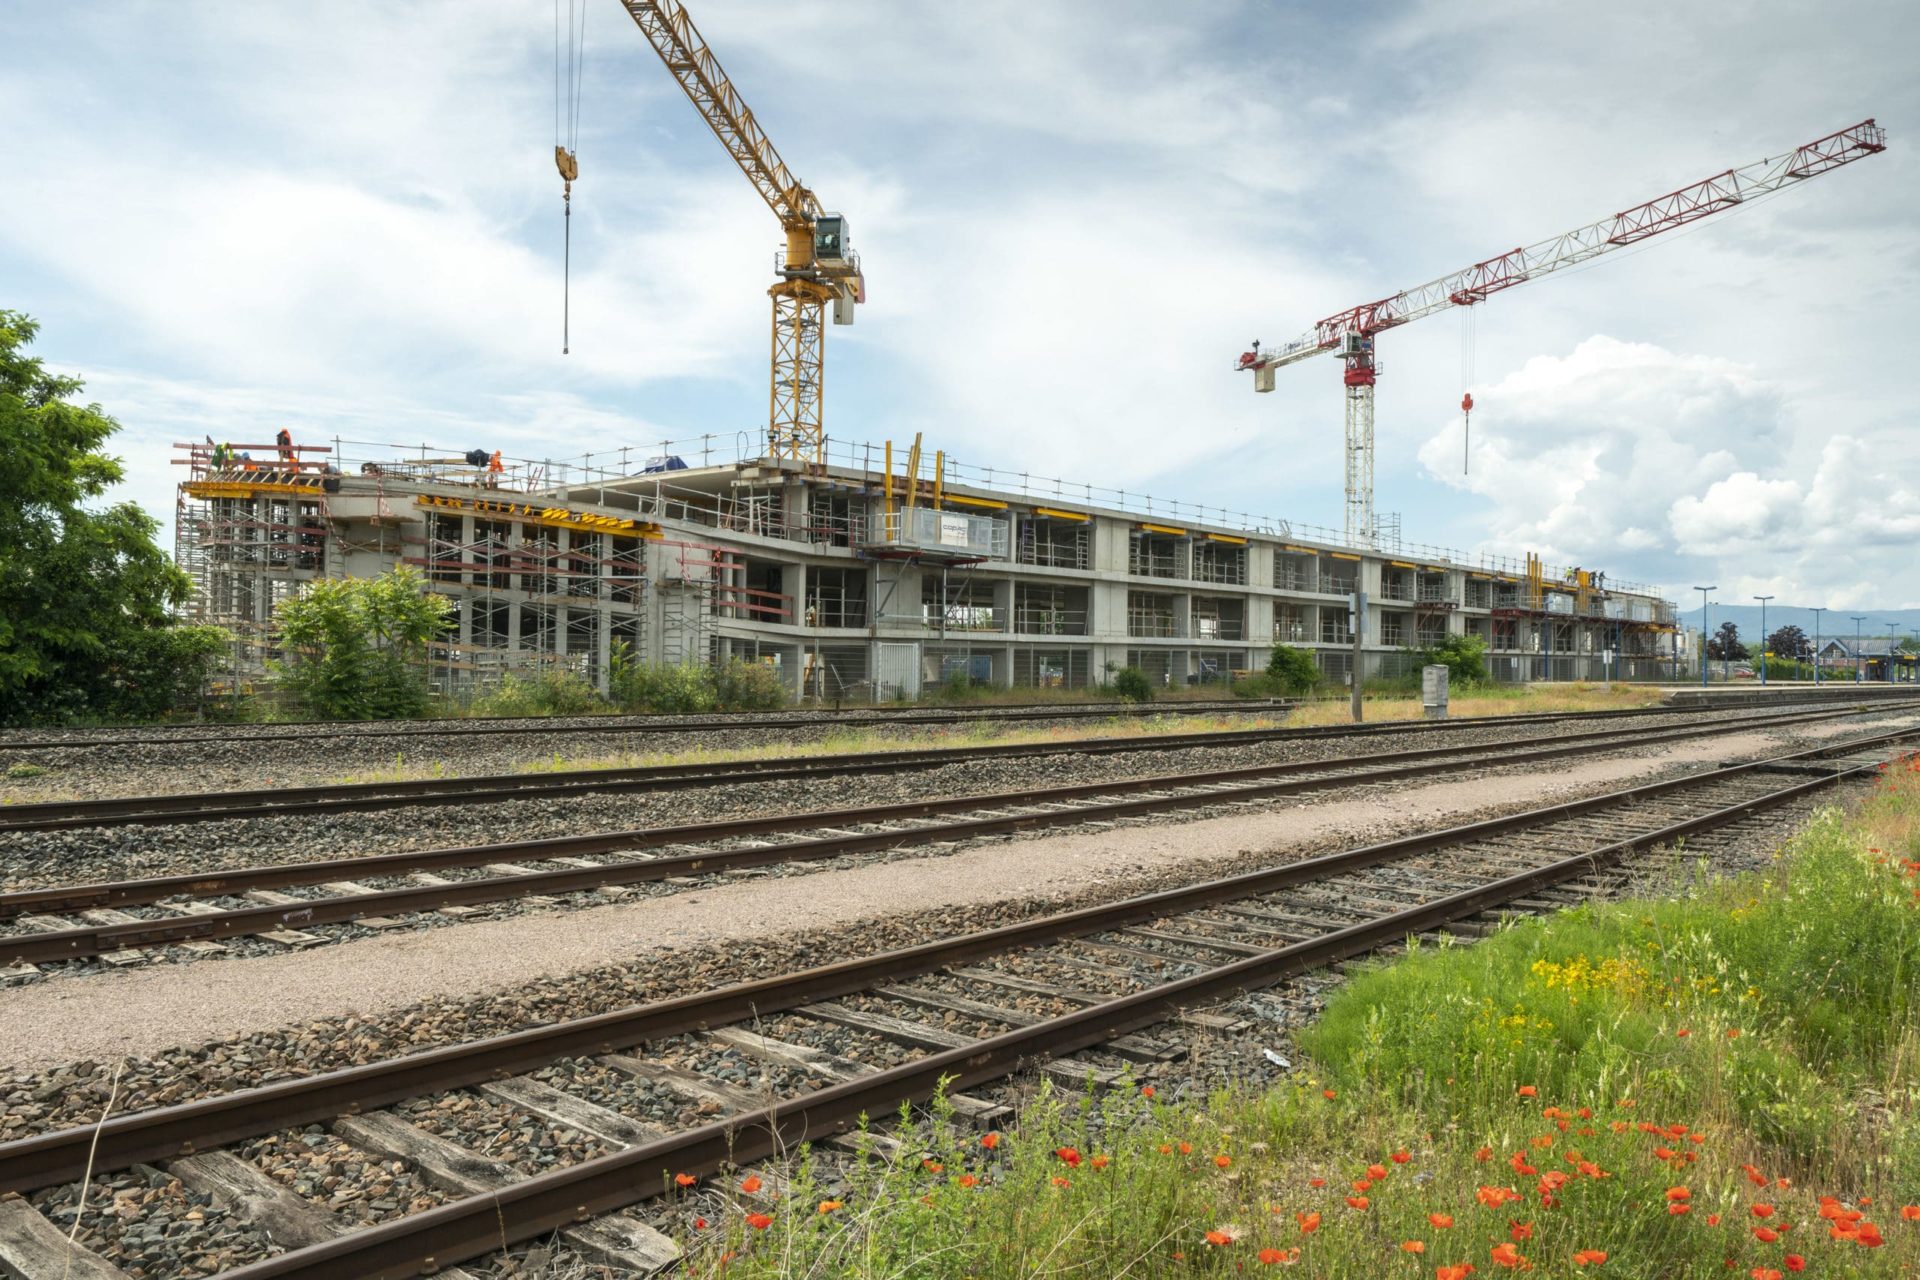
<point x="123" y="920"/>
<point x="1094" y="994"/>
<point x="446" y="729"/>
<point x="189" y="807"/>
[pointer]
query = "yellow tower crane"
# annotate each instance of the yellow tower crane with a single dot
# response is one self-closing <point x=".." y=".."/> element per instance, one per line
<point x="817" y="268"/>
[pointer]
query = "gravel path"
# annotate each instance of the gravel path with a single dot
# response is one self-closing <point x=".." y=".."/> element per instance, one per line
<point x="148" y="1011"/>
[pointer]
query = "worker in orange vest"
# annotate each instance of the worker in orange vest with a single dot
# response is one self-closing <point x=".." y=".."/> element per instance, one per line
<point x="494" y="468"/>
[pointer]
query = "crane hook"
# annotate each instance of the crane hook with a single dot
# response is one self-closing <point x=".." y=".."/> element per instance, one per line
<point x="1466" y="430"/>
<point x="569" y="167"/>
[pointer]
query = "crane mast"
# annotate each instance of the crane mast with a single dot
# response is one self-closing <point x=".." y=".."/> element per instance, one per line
<point x="1350" y="333"/>
<point x="817" y="268"/>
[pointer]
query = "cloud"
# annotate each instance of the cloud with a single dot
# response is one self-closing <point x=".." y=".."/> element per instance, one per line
<point x="1739" y="512"/>
<point x="1631" y="453"/>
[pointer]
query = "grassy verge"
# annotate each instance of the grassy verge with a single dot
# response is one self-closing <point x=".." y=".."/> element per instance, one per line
<point x="858" y="741"/>
<point x="1726" y="1084"/>
<point x="1488" y="700"/>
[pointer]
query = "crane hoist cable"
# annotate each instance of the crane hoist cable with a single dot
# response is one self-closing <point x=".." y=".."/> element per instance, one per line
<point x="566" y="139"/>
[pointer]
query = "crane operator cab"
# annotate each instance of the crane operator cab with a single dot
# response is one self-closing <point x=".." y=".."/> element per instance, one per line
<point x="838" y="262"/>
<point x="830" y="240"/>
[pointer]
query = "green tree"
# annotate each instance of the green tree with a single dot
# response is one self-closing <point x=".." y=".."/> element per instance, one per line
<point x="356" y="648"/>
<point x="1292" y="670"/>
<point x="1464" y="657"/>
<point x="87" y="630"/>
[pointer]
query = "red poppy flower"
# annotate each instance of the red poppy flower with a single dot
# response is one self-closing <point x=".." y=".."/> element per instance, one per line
<point x="1869" y="1235"/>
<point x="699" y="1224"/>
<point x="1483" y="1154"/>
<point x="1765" y="1235"/>
<point x="1679" y="1193"/>
<point x="1100" y="1162"/>
<point x="830" y="1206"/>
<point x="1309" y="1222"/>
<point x="1762" y="1211"/>
<point x="1219" y="1239"/>
<point x="759" y="1221"/>
<point x="1328" y="1094"/>
<point x="989" y="1140"/>
<point x="1316" y="1182"/>
<point x="1520" y="1230"/>
<point x="1272" y="1257"/>
<point x="1508" y="1255"/>
<point x="1794" y="1262"/>
<point x="1358" y="1202"/>
<point x="1458" y="1271"/>
<point x="1528" y="1091"/>
<point x="684" y="1179"/>
<point x="1440" y="1220"/>
<point x="1590" y="1258"/>
<point x="1677" y="1209"/>
<point x="1413" y="1246"/>
<point x="1068" y="1156"/>
<point x="1223" y="1161"/>
<point x="1377" y="1172"/>
<point x="1911" y="1212"/>
<point x="1062" y="1182"/>
<point x="968" y="1180"/>
<point x="751" y="1184"/>
<point x="1713" y="1219"/>
<point x="1186" y="1148"/>
<point x="1146" y="1091"/>
<point x="1401" y="1157"/>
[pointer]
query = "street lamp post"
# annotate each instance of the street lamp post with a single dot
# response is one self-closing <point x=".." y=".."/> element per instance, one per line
<point x="1763" y="636"/>
<point x="1859" y="672"/>
<point x="1816" y="646"/>
<point x="1703" y="632"/>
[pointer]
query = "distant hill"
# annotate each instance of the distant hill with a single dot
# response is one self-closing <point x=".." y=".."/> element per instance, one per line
<point x="1834" y="622"/>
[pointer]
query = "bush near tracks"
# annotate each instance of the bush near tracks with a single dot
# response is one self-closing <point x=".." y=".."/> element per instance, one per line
<point x="1723" y="1086"/>
<point x="357" y="648"/>
<point x="87" y="633"/>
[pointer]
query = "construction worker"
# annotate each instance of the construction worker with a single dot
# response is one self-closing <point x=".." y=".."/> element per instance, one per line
<point x="222" y="456"/>
<point x="494" y="469"/>
<point x="285" y="441"/>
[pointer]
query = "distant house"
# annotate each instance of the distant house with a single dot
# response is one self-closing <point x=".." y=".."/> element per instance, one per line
<point x="1867" y="656"/>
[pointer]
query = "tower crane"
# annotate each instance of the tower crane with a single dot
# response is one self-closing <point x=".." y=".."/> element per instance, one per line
<point x="817" y="268"/>
<point x="1350" y="334"/>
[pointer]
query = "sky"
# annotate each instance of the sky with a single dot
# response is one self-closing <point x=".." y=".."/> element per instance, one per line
<point x="344" y="218"/>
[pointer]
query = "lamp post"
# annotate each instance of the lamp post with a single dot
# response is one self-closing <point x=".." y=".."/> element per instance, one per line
<point x="1703" y="632"/>
<point x="1859" y="673"/>
<point x="1816" y="646"/>
<point x="1763" y="636"/>
<point x="1892" y="629"/>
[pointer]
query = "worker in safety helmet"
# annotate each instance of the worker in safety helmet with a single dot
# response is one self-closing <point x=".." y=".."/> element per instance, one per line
<point x="494" y="469"/>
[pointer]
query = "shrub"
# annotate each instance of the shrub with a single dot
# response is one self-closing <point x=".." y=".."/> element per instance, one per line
<point x="356" y="648"/>
<point x="747" y="686"/>
<point x="735" y="685"/>
<point x="1464" y="657"/>
<point x="1132" y="684"/>
<point x="1292" y="670"/>
<point x="549" y="691"/>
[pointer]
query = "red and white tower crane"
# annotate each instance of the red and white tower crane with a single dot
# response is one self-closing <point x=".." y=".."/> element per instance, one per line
<point x="1350" y="333"/>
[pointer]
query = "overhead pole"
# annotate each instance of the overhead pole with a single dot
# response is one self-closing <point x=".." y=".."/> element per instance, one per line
<point x="1350" y="333"/>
